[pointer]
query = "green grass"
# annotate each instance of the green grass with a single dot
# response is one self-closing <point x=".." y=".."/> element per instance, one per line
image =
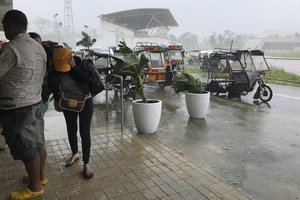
<point x="281" y="77"/>
<point x="195" y="69"/>
<point x="283" y="54"/>
<point x="274" y="76"/>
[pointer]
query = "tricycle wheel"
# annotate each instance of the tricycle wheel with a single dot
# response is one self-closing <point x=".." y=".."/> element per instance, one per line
<point x="213" y="87"/>
<point x="161" y="85"/>
<point x="265" y="93"/>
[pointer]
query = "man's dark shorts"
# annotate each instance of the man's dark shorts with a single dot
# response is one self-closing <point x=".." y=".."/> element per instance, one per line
<point x="23" y="129"/>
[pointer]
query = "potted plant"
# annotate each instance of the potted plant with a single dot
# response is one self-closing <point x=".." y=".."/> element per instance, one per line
<point x="146" y="112"/>
<point x="197" y="99"/>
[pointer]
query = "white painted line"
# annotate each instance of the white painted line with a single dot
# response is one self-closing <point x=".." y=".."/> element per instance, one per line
<point x="286" y="96"/>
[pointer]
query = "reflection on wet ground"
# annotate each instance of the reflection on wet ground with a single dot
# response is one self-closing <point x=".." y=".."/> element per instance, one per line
<point x="251" y="148"/>
<point x="126" y="166"/>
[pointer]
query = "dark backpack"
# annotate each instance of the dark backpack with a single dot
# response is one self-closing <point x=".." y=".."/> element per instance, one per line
<point x="45" y="91"/>
<point x="95" y="83"/>
<point x="52" y="78"/>
<point x="53" y="82"/>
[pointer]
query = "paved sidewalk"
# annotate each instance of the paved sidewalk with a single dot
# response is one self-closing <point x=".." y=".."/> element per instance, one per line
<point x="127" y="166"/>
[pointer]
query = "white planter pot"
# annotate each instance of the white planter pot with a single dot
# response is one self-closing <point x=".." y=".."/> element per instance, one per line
<point x="197" y="104"/>
<point x="146" y="115"/>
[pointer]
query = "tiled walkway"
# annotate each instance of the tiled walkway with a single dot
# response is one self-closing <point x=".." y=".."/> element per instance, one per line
<point x="126" y="167"/>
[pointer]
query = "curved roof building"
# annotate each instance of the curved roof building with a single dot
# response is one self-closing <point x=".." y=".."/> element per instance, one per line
<point x="144" y="22"/>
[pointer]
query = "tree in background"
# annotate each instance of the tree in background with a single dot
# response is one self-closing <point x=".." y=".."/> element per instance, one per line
<point x="172" y="38"/>
<point x="212" y="40"/>
<point x="189" y="41"/>
<point x="86" y="40"/>
<point x="43" y="25"/>
<point x="47" y="29"/>
<point x="224" y="40"/>
<point x="297" y="35"/>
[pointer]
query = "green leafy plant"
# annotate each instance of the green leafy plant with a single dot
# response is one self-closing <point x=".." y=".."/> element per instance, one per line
<point x="185" y="82"/>
<point x="86" y="40"/>
<point x="133" y="67"/>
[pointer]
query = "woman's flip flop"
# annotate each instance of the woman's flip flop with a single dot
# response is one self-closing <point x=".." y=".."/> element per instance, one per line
<point x="72" y="160"/>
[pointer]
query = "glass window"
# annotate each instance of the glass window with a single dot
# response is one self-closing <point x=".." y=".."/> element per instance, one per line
<point x="222" y="65"/>
<point x="247" y="62"/>
<point x="260" y="63"/>
<point x="175" y="55"/>
<point x="101" y="63"/>
<point x="235" y="65"/>
<point x="156" y="61"/>
<point x="166" y="56"/>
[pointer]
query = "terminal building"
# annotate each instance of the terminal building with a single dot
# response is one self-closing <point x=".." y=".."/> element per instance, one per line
<point x="137" y="25"/>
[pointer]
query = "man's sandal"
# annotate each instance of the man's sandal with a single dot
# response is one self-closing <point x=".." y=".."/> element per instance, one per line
<point x="25" y="193"/>
<point x="25" y="179"/>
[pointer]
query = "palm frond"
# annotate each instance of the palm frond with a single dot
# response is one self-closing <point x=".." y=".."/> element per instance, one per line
<point x="185" y="82"/>
<point x="134" y="66"/>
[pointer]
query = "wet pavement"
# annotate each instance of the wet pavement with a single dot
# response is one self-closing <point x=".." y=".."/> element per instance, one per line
<point x="126" y="167"/>
<point x="239" y="151"/>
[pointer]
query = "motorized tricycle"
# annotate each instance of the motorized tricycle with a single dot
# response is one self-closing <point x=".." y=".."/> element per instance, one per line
<point x="176" y="54"/>
<point x="171" y="72"/>
<point x="155" y="71"/>
<point x="193" y="57"/>
<point x="237" y="72"/>
<point x="163" y="62"/>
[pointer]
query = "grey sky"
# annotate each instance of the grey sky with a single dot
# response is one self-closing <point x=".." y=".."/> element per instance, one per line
<point x="201" y="17"/>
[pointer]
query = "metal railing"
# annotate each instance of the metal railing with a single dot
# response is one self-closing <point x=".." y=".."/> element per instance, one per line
<point x="120" y="89"/>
